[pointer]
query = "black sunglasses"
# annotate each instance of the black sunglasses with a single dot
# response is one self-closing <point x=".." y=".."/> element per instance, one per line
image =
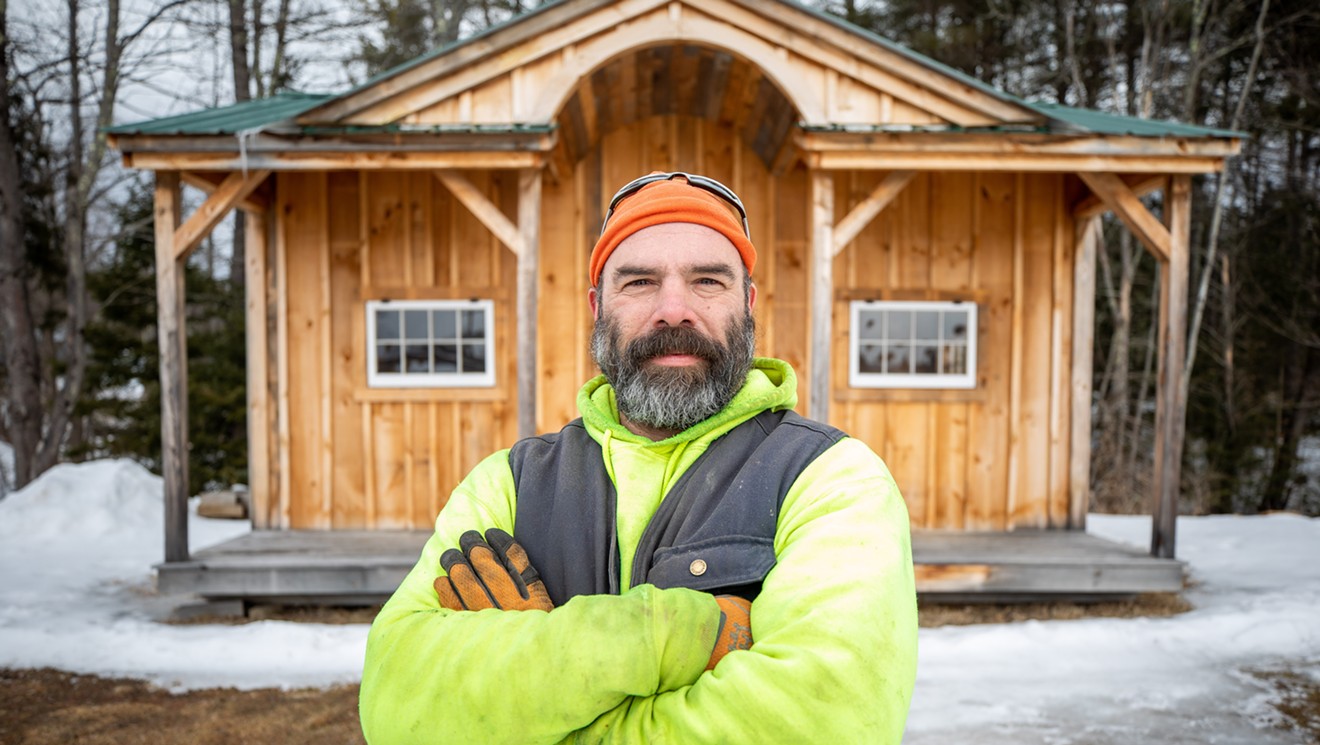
<point x="701" y="182"/>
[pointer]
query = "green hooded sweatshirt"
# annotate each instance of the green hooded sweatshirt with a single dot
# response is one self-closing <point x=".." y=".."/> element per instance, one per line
<point x="834" y="626"/>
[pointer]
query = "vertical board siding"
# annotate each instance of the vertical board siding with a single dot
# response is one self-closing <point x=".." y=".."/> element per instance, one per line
<point x="356" y="458"/>
<point x="984" y="460"/>
<point x="306" y="245"/>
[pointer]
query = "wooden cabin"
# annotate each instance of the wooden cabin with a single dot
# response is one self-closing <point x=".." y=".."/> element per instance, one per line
<point x="417" y="257"/>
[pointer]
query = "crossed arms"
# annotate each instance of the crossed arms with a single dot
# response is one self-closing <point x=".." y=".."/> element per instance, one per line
<point x="834" y="629"/>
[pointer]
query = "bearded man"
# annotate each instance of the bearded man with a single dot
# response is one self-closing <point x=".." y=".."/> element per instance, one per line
<point x="688" y="562"/>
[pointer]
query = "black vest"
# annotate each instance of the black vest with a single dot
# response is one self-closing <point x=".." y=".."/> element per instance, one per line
<point x="714" y="530"/>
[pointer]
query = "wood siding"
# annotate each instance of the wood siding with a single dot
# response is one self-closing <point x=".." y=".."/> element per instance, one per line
<point x="995" y="457"/>
<point x="381" y="458"/>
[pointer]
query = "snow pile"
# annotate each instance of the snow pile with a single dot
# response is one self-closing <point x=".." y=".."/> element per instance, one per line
<point x="82" y="500"/>
<point x="77" y="592"/>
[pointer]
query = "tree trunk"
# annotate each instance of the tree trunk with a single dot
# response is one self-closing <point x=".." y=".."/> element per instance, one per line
<point x="22" y="368"/>
<point x="238" y="54"/>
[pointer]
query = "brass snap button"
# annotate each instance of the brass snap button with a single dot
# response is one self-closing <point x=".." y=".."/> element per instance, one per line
<point x="697" y="568"/>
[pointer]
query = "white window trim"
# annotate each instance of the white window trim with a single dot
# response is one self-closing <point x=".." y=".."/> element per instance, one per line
<point x="859" y="379"/>
<point x="431" y="380"/>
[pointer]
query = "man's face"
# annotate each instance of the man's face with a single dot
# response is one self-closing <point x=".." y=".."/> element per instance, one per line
<point x="674" y="332"/>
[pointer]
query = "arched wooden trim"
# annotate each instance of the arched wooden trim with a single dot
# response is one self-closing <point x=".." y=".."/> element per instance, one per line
<point x="667" y="29"/>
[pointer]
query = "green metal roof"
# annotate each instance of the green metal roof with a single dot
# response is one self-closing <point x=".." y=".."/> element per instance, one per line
<point x="228" y="120"/>
<point x="1101" y="123"/>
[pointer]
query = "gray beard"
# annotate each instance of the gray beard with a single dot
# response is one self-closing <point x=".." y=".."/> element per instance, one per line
<point x="668" y="398"/>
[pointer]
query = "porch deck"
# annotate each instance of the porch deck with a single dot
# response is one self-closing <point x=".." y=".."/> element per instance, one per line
<point x="364" y="567"/>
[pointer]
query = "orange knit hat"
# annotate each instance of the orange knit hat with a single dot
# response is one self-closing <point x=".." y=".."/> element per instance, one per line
<point x="666" y="202"/>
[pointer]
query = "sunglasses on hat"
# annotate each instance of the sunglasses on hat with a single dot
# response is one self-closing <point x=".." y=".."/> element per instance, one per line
<point x="701" y="182"/>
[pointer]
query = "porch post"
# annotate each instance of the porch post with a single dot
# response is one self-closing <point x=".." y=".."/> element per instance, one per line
<point x="258" y="370"/>
<point x="172" y="335"/>
<point x="1087" y="240"/>
<point x="529" y="258"/>
<point x="1169" y="407"/>
<point x="822" y="292"/>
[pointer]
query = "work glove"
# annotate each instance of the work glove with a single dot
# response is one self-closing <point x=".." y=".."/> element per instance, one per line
<point x="735" y="631"/>
<point x="490" y="573"/>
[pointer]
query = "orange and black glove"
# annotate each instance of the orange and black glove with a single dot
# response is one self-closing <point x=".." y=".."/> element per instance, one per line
<point x="735" y="630"/>
<point x="490" y="573"/>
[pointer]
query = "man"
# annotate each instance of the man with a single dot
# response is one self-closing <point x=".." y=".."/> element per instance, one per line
<point x="690" y="561"/>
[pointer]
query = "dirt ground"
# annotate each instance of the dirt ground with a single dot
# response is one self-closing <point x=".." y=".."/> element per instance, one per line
<point x="46" y="707"/>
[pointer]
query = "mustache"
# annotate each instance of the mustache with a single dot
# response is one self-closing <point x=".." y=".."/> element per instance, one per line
<point x="672" y="340"/>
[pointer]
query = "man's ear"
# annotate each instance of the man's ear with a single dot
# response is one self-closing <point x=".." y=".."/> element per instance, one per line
<point x="591" y="301"/>
<point x="751" y="297"/>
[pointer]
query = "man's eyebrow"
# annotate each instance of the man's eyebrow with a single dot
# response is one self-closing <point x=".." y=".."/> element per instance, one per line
<point x="722" y="270"/>
<point x="635" y="270"/>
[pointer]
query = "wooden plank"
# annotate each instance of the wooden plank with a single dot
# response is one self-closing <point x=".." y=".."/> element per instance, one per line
<point x="348" y="350"/>
<point x="258" y="368"/>
<point x="483" y="209"/>
<point x="388" y="447"/>
<point x="1010" y="163"/>
<point x="560" y="313"/>
<point x="1170" y="408"/>
<point x="307" y="289"/>
<point x="791" y="220"/>
<point x="1032" y="331"/>
<point x="951" y="230"/>
<point x="865" y="211"/>
<point x="988" y="422"/>
<point x="1061" y="391"/>
<point x="231" y="191"/>
<point x="1087" y="240"/>
<point x="385" y="222"/>
<point x="1119" y="198"/>
<point x="529" y="228"/>
<point x="172" y="333"/>
<point x="1014" y="144"/>
<point x="391" y="159"/>
<point x="822" y="291"/>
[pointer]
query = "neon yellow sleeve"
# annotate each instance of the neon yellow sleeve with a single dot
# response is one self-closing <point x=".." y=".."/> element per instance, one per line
<point x="834" y="628"/>
<point x="434" y="675"/>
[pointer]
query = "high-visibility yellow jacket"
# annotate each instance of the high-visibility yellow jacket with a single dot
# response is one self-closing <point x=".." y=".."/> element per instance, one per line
<point x="834" y="625"/>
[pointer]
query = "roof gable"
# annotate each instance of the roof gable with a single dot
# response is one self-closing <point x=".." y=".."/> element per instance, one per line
<point x="524" y="71"/>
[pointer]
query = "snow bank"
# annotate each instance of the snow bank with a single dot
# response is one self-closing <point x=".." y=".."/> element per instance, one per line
<point x="81" y="500"/>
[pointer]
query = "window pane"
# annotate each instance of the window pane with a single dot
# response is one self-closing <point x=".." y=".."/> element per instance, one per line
<point x="955" y="325"/>
<point x="418" y="360"/>
<point x="928" y="325"/>
<point x="446" y="358"/>
<point x="474" y="324"/>
<point x="474" y="358"/>
<point x="900" y="325"/>
<point x="387" y="325"/>
<point x="415" y="325"/>
<point x="871" y="358"/>
<point x="387" y="358"/>
<point x="870" y="325"/>
<point x="444" y="325"/>
<point x="899" y="359"/>
<point x="926" y="359"/>
<point x="955" y="360"/>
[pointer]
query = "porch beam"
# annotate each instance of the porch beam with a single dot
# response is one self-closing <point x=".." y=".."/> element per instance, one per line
<point x="529" y="229"/>
<point x="173" y="340"/>
<point x="885" y="192"/>
<point x="822" y="292"/>
<point x="362" y="159"/>
<point x="999" y="162"/>
<point x="231" y="191"/>
<point x="484" y="210"/>
<point x="1118" y="197"/>
<point x="1169" y="404"/>
<point x="209" y="181"/>
<point x="1140" y="185"/>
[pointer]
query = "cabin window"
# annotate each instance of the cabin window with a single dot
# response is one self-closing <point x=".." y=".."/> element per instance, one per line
<point x="908" y="344"/>
<point x="430" y="343"/>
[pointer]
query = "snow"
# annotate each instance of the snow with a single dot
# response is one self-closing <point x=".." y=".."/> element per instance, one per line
<point x="76" y="593"/>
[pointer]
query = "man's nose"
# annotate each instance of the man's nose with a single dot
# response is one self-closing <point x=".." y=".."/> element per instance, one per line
<point x="673" y="306"/>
